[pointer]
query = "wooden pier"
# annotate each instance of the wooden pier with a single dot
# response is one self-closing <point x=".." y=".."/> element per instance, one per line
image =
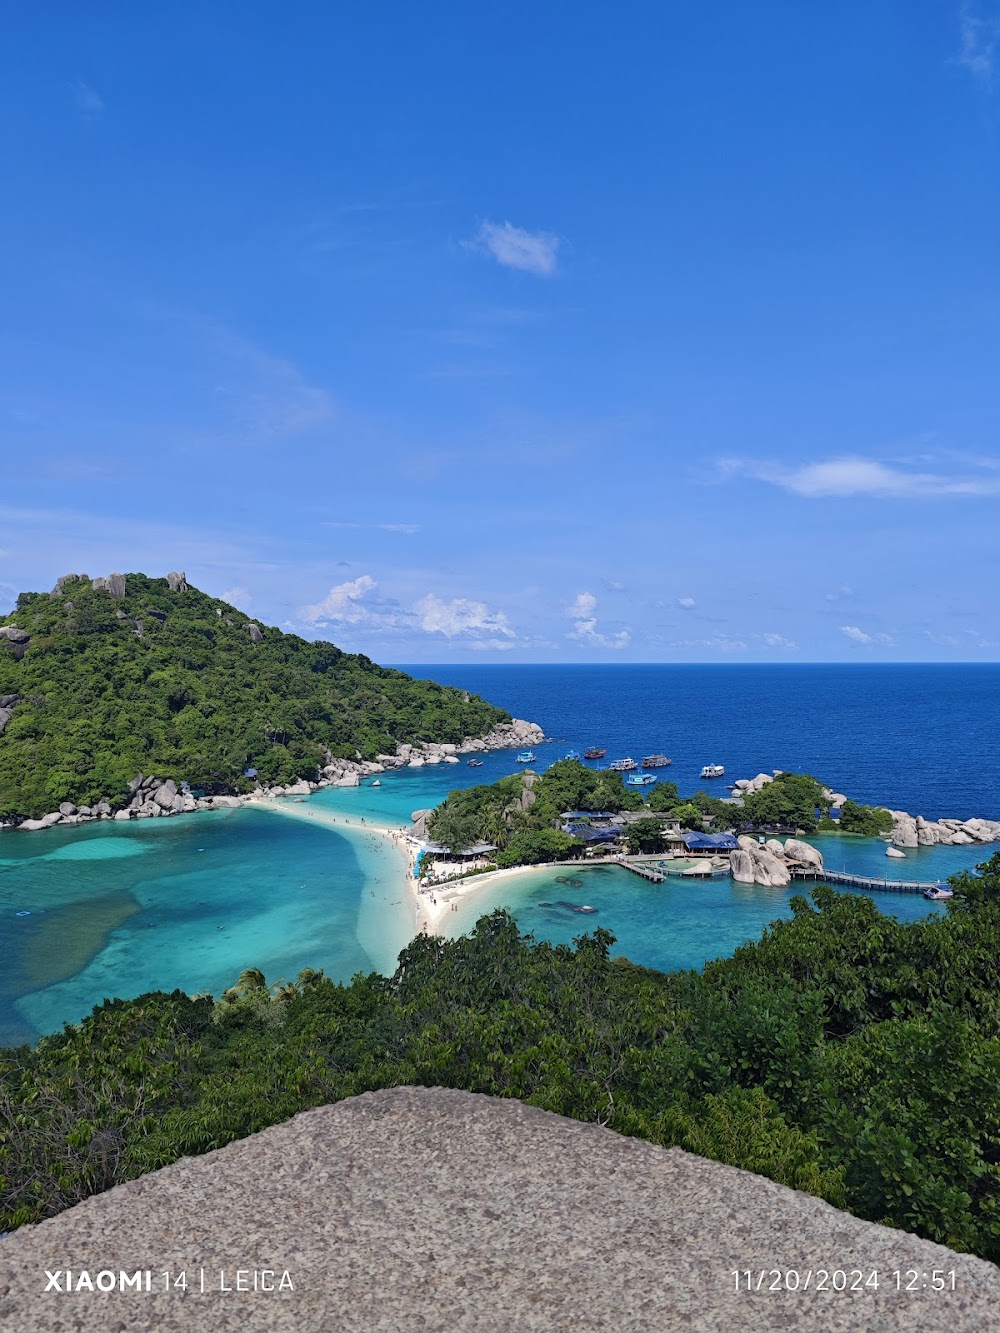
<point x="655" y="874"/>
<point x="852" y="881"/>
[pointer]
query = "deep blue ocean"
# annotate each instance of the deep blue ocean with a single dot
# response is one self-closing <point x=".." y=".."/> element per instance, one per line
<point x="920" y="738"/>
<point x="116" y="910"/>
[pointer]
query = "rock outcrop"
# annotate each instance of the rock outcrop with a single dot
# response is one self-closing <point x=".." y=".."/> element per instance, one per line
<point x="915" y="831"/>
<point x="801" y="853"/>
<point x="513" y="735"/>
<point x="178" y="581"/>
<point x="447" y="1212"/>
<point x="771" y="865"/>
<point x="419" y="820"/>
<point x="8" y="702"/>
<point x="907" y="830"/>
<point x="113" y="584"/>
<point x="744" y="786"/>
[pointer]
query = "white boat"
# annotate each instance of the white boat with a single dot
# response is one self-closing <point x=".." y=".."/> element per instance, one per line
<point x="713" y="771"/>
<point x="939" y="894"/>
<point x="525" y="757"/>
<point x="641" y="779"/>
<point x="623" y="765"/>
<point x="376" y="783"/>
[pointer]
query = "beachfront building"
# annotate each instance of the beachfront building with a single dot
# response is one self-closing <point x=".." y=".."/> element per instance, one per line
<point x="445" y="860"/>
<point x="710" y="844"/>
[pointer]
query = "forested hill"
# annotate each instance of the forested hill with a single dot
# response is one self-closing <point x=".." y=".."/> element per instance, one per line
<point x="102" y="679"/>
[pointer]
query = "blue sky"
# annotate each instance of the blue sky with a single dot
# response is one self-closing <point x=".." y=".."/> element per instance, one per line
<point x="516" y="332"/>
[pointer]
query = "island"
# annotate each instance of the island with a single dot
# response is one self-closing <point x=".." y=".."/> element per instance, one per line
<point x="572" y="813"/>
<point x="129" y="696"/>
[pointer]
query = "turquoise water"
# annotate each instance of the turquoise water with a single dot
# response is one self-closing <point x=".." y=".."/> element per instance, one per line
<point x="189" y="903"/>
<point x="115" y="910"/>
<point x="679" y="923"/>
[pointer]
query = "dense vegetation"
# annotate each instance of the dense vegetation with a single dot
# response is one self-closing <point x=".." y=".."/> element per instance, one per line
<point x="520" y="814"/>
<point x="867" y="820"/>
<point x="192" y="697"/>
<point x="844" y="1053"/>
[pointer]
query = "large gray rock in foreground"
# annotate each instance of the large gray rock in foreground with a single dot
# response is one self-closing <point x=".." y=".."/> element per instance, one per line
<point x="436" y="1210"/>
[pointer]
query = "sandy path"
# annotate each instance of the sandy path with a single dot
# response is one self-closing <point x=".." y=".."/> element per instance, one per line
<point x="430" y="905"/>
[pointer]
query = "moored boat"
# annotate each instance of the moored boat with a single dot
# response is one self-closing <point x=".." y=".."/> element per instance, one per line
<point x="572" y="754"/>
<point x="594" y="752"/>
<point x="939" y="893"/>
<point x="474" y="763"/>
<point x="713" y="771"/>
<point x="525" y="757"/>
<point x="641" y="779"/>
<point x="623" y="765"/>
<point x="656" y="761"/>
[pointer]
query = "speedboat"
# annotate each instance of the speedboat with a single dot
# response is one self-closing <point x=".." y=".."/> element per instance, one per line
<point x="474" y="763"/>
<point x="572" y="754"/>
<point x="623" y="765"/>
<point x="713" y="771"/>
<point x="525" y="757"/>
<point x="939" y="893"/>
<point x="641" y="779"/>
<point x="377" y="783"/>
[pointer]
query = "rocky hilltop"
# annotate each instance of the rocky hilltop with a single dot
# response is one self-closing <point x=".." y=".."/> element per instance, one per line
<point x="448" y="1211"/>
<point x="125" y="696"/>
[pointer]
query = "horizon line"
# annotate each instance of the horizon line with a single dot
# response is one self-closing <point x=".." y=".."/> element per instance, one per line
<point x="656" y="662"/>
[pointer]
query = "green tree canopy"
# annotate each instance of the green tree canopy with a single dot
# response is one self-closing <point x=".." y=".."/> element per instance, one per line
<point x="194" y="697"/>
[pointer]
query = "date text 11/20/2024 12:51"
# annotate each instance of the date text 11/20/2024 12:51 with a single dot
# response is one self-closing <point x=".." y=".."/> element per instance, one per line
<point x="843" y="1279"/>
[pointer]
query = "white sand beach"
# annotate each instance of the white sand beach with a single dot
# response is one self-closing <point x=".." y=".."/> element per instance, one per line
<point x="430" y="903"/>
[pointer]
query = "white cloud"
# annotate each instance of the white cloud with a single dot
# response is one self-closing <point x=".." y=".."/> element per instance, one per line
<point x="718" y="642"/>
<point x="979" y="36"/>
<point x="356" y="602"/>
<point x="238" y="596"/>
<point x="779" y="641"/>
<point x="946" y="640"/>
<point x="269" y="394"/>
<point x="856" y="633"/>
<point x="514" y="247"/>
<point x="583" y="604"/>
<point x="581" y="611"/>
<point x="407" y="528"/>
<point x="686" y="603"/>
<point x="840" y="594"/>
<point x="460" y="616"/>
<point x="491" y="645"/>
<point x="347" y="604"/>
<point x="88" y="102"/>
<point x="852" y="476"/>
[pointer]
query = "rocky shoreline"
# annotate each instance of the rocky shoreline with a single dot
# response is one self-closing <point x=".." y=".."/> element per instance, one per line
<point x="153" y="798"/>
<point x="907" y="830"/>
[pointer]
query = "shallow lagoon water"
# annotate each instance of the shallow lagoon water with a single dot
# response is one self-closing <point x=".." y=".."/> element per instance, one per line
<point x="192" y="903"/>
<point x="116" y="910"/>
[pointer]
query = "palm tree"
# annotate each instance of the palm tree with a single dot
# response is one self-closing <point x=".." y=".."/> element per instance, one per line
<point x="251" y="979"/>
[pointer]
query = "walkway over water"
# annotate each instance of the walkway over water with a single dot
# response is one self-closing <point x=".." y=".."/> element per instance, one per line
<point x="867" y="881"/>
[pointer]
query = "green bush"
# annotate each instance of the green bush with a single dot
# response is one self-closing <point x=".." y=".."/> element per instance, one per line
<point x="844" y="1054"/>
